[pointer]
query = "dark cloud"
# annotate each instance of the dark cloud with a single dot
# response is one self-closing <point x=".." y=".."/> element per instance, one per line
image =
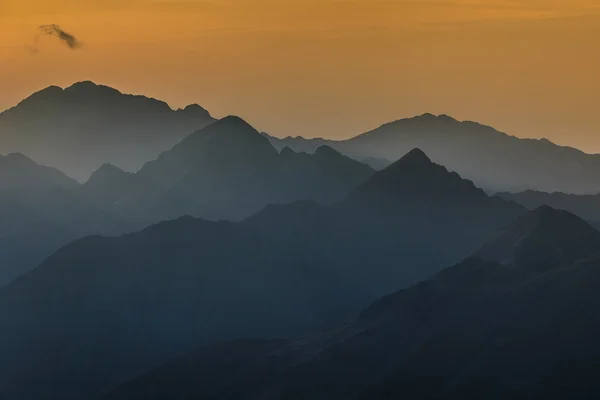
<point x="54" y="30"/>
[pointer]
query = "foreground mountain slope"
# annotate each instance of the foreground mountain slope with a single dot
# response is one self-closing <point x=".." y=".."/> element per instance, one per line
<point x="132" y="302"/>
<point x="479" y="329"/>
<point x="492" y="159"/>
<point x="79" y="128"/>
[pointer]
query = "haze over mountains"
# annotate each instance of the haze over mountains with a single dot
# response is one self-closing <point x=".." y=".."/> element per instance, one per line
<point x="132" y="302"/>
<point x="224" y="171"/>
<point x="228" y="170"/>
<point x="41" y="210"/>
<point x="79" y="128"/>
<point x="84" y="126"/>
<point x="492" y="159"/>
<point x="204" y="259"/>
<point x="585" y="206"/>
<point x="493" y="326"/>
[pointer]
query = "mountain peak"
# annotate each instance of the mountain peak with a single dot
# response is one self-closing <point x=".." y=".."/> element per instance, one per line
<point x="195" y="109"/>
<point x="88" y="88"/>
<point x="82" y="85"/>
<point x="287" y="152"/>
<point x="415" y="179"/>
<point x="234" y="120"/>
<point x="228" y="140"/>
<point x="19" y="160"/>
<point x="327" y="151"/>
<point x="416" y="155"/>
<point x="433" y="117"/>
<point x="107" y="168"/>
<point x="543" y="239"/>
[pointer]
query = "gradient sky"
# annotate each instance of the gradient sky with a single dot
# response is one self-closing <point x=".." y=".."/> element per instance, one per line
<point x="330" y="68"/>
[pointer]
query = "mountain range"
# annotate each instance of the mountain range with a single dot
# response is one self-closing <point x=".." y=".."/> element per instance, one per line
<point x="179" y="256"/>
<point x="517" y="319"/>
<point x="82" y="127"/>
<point x="493" y="160"/>
<point x="132" y="302"/>
<point x="41" y="210"/>
<point x="226" y="170"/>
<point x="79" y="128"/>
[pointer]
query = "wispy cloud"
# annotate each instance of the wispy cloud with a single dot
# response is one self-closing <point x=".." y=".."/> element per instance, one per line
<point x="54" y="30"/>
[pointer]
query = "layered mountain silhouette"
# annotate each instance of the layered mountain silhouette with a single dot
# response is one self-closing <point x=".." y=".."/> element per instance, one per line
<point x="225" y="171"/>
<point x="495" y="327"/>
<point x="584" y="206"/>
<point x="543" y="240"/>
<point x="41" y="210"/>
<point x="494" y="160"/>
<point x="228" y="170"/>
<point x="132" y="302"/>
<point x="79" y="128"/>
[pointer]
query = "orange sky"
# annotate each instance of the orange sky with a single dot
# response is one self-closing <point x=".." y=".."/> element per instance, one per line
<point x="332" y="68"/>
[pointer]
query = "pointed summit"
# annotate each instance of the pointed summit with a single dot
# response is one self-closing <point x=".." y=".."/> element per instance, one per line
<point x="230" y="140"/>
<point x="108" y="183"/>
<point x="327" y="151"/>
<point x="416" y="155"/>
<point x="416" y="179"/>
<point x="233" y="121"/>
<point x="543" y="239"/>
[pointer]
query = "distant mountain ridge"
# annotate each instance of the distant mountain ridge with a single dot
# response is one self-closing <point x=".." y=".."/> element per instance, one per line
<point x="81" y="127"/>
<point x="84" y="126"/>
<point x="493" y="160"/>
<point x="584" y="206"/>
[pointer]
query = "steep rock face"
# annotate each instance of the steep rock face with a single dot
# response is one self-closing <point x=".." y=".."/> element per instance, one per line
<point x="79" y="128"/>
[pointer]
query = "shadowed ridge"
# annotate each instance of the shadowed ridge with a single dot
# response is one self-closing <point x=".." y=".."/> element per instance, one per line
<point x="415" y="177"/>
<point x="541" y="240"/>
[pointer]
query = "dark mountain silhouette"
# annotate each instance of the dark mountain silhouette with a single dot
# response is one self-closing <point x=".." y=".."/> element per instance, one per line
<point x="228" y="170"/>
<point x="584" y="206"/>
<point x="493" y="160"/>
<point x="542" y="240"/>
<point x="130" y="303"/>
<point x="479" y="329"/>
<point x="41" y="209"/>
<point x="79" y="128"/>
<point x="414" y="175"/>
